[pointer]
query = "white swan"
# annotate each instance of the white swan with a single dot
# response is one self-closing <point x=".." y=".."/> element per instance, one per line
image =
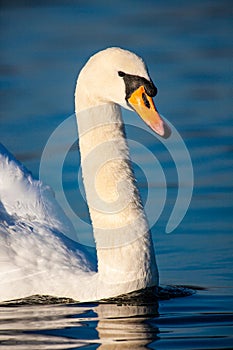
<point x="36" y="256"/>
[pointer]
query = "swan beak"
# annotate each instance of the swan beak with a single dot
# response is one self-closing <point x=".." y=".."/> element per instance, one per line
<point x="145" y="108"/>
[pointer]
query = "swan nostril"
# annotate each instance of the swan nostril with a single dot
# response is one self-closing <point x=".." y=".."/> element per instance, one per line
<point x="145" y="100"/>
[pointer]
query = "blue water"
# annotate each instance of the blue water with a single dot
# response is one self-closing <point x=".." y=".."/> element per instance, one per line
<point x="187" y="47"/>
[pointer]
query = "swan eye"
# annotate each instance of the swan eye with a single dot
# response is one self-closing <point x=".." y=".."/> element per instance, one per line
<point x="121" y="74"/>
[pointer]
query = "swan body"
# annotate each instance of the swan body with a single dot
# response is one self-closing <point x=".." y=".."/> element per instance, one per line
<point x="36" y="255"/>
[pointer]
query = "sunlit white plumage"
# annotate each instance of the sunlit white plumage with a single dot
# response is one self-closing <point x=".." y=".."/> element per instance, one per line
<point x="36" y="255"/>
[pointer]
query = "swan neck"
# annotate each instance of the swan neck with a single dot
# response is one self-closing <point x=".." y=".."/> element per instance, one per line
<point x="113" y="199"/>
<point x="120" y="228"/>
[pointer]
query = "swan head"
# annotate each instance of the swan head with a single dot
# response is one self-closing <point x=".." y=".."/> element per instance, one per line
<point x="119" y="76"/>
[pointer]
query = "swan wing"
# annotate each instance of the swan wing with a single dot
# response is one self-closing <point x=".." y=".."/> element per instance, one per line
<point x="34" y="247"/>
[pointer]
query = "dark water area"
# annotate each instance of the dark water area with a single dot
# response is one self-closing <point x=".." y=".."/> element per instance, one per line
<point x="188" y="49"/>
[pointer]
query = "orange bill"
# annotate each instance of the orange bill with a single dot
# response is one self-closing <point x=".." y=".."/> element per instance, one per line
<point x="145" y="108"/>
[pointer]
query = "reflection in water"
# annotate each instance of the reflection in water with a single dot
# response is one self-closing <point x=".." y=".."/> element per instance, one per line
<point x="205" y="319"/>
<point x="125" y="326"/>
<point x="71" y="326"/>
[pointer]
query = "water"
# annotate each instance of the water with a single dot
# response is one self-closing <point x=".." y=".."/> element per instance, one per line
<point x="201" y="321"/>
<point x="187" y="48"/>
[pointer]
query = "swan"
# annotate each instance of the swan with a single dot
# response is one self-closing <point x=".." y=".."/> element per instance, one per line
<point x="36" y="255"/>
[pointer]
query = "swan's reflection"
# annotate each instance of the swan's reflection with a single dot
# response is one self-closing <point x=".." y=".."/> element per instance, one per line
<point x="112" y="326"/>
<point x="126" y="326"/>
